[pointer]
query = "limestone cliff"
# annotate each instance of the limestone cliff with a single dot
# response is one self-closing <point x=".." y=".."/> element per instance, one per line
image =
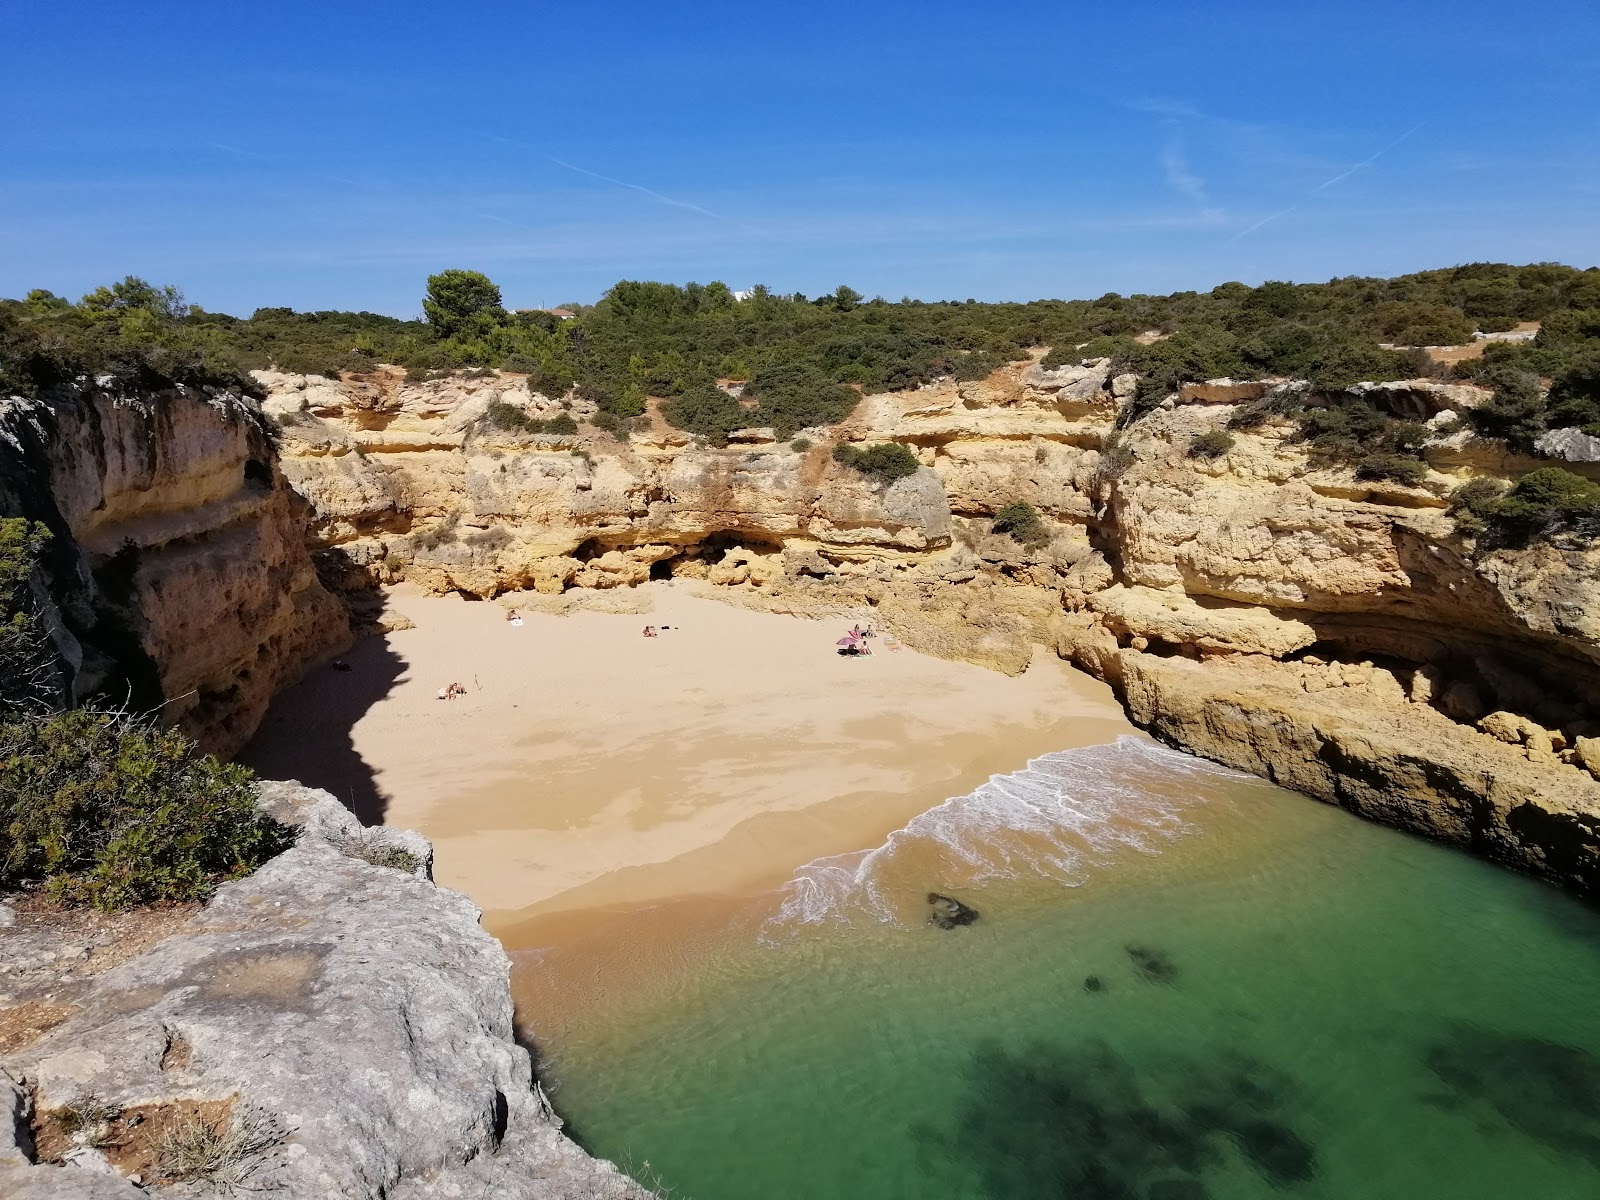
<point x="1264" y="608"/>
<point x="178" y="571"/>
<point x="353" y="1018"/>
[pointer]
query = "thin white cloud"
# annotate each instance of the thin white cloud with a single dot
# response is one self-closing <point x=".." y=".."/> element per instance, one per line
<point x="1325" y="185"/>
<point x="651" y="192"/>
<point x="622" y="183"/>
<point x="1179" y="177"/>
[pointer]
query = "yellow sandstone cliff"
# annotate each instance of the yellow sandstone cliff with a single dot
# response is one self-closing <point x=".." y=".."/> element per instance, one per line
<point x="1270" y="612"/>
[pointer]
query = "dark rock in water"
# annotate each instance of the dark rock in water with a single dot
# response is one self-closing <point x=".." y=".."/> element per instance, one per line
<point x="1179" y="1189"/>
<point x="1153" y="964"/>
<point x="1278" y="1151"/>
<point x="948" y="912"/>
<point x="1545" y="1090"/>
<point x="1093" y="983"/>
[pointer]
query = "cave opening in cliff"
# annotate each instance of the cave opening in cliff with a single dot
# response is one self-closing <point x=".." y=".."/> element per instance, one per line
<point x="663" y="569"/>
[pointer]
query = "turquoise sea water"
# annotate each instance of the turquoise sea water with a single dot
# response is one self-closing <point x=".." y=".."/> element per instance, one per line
<point x="1185" y="983"/>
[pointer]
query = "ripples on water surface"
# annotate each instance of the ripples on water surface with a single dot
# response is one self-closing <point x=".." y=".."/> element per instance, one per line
<point x="1185" y="984"/>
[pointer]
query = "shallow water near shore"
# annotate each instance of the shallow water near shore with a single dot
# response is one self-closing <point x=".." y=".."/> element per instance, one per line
<point x="1185" y="983"/>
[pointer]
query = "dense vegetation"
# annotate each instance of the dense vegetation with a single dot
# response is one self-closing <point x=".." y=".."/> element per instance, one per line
<point x="99" y="807"/>
<point x="804" y="361"/>
<point x="110" y="811"/>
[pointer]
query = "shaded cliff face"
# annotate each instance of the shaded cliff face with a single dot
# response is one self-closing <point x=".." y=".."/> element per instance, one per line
<point x="1264" y="609"/>
<point x="178" y="571"/>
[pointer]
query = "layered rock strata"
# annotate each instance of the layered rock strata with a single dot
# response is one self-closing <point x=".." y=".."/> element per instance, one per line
<point x="1259" y="607"/>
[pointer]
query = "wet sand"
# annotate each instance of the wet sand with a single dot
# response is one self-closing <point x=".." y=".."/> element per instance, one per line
<point x="590" y="770"/>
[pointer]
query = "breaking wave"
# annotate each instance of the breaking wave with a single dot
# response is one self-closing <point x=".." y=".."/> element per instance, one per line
<point x="1054" y="819"/>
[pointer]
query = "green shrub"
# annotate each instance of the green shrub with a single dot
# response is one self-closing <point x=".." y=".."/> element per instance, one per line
<point x="800" y="445"/>
<point x="109" y="811"/>
<point x="1253" y="414"/>
<point x="1473" y="503"/>
<point x="1148" y="395"/>
<point x="1214" y="443"/>
<point x="884" y="463"/>
<point x="1547" y="502"/>
<point x="512" y="419"/>
<point x="707" y="411"/>
<point x="1392" y="468"/>
<point x="1516" y="411"/>
<point x="1022" y="521"/>
<point x="1575" y="395"/>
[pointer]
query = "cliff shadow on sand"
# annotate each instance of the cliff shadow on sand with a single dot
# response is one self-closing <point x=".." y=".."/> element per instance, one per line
<point x="317" y="746"/>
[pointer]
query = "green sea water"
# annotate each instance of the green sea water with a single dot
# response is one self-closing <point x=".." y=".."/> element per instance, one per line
<point x="1184" y="984"/>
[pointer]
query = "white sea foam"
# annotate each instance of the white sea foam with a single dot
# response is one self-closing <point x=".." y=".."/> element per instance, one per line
<point x="1053" y="819"/>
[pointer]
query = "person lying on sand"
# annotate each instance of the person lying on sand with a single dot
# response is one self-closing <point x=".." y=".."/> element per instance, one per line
<point x="451" y="692"/>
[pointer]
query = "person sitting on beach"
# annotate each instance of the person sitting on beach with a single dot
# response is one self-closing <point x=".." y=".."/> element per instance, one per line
<point x="513" y="616"/>
<point x="451" y="692"/>
<point x="650" y="631"/>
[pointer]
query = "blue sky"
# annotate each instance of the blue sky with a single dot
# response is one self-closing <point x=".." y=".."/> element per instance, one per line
<point x="332" y="155"/>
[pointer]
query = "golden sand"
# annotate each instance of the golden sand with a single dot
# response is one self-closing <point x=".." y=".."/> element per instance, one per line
<point x="589" y="768"/>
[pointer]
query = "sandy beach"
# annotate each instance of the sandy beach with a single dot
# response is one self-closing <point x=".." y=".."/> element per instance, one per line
<point x="589" y="768"/>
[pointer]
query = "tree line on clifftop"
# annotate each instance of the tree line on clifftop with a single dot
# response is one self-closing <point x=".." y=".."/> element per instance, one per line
<point x="800" y="362"/>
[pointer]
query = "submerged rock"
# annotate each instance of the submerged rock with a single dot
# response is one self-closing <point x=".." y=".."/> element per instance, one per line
<point x="948" y="912"/>
<point x="1154" y="965"/>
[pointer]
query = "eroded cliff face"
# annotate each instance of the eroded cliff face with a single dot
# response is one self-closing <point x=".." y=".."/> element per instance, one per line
<point x="178" y="572"/>
<point x="1266" y="610"/>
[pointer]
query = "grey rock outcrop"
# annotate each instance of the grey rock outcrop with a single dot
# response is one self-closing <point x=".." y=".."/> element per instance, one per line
<point x="355" y="1007"/>
<point x="1570" y="445"/>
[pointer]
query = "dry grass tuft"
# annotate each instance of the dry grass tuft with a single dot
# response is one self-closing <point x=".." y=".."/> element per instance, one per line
<point x="225" y="1150"/>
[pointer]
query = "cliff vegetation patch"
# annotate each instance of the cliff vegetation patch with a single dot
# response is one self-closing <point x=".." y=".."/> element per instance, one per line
<point x="883" y="463"/>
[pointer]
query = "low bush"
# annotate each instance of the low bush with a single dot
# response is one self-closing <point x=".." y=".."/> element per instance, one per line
<point x="706" y="411"/>
<point x="1022" y="521"/>
<point x="1255" y="413"/>
<point x="1392" y="468"/>
<point x="1516" y="411"/>
<point x="513" y="420"/>
<point x="1214" y="443"/>
<point x="884" y="463"/>
<point x="1473" y="502"/>
<point x="800" y="445"/>
<point x="109" y="811"/>
<point x="1546" y="502"/>
<point x="1148" y="395"/>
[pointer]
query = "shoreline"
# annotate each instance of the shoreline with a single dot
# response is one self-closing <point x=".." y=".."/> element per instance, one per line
<point x="591" y="769"/>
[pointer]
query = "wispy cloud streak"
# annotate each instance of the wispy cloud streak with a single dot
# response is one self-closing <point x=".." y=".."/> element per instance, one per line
<point x="1325" y="185"/>
<point x="637" y="187"/>
<point x="621" y="183"/>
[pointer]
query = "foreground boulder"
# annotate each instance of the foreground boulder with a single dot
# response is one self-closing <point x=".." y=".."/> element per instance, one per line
<point x="345" y="1021"/>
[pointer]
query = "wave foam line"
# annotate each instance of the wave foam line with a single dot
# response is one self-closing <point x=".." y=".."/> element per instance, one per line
<point x="1052" y="819"/>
